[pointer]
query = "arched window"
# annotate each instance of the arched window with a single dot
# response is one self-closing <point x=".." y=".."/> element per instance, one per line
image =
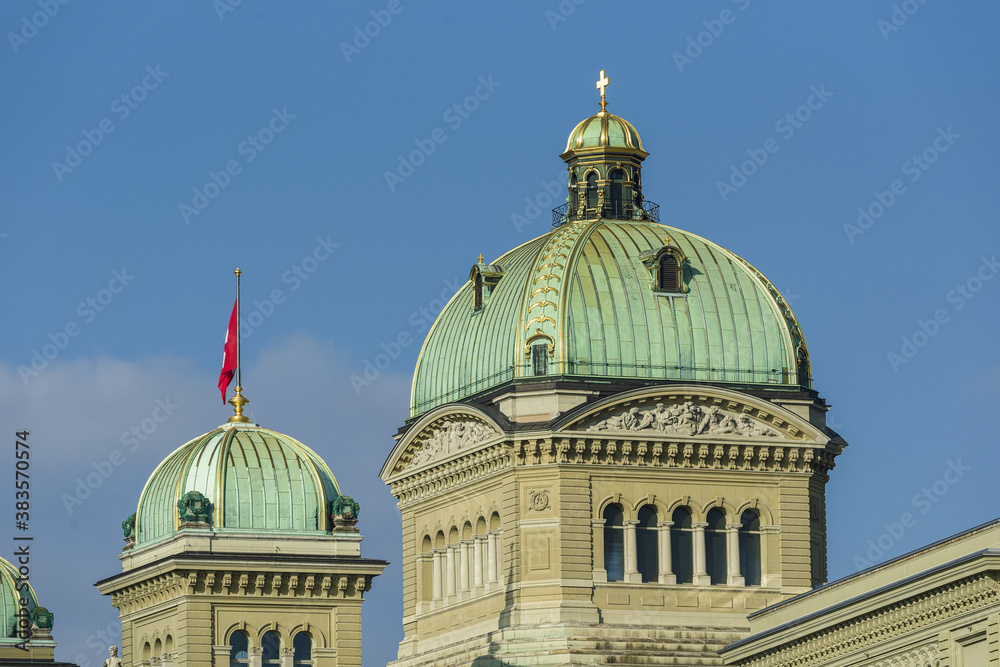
<point x="617" y="193"/>
<point x="478" y="292"/>
<point x="750" y="547"/>
<point x="238" y="649"/>
<point x="645" y="544"/>
<point x="681" y="546"/>
<point x="271" y="644"/>
<point x="614" y="543"/>
<point x="669" y="273"/>
<point x="591" y="190"/>
<point x="715" y="545"/>
<point x="302" y="645"/>
<point x="540" y="358"/>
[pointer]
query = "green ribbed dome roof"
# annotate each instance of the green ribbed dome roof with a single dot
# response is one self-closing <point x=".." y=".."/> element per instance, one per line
<point x="256" y="479"/>
<point x="603" y="130"/>
<point x="10" y="599"/>
<point x="583" y="287"/>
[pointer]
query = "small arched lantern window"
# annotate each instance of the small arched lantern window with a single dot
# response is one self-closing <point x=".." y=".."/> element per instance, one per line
<point x="592" y="190"/>
<point x="617" y="193"/>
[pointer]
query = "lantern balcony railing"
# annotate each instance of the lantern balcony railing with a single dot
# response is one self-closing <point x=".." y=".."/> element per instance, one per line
<point x="612" y="210"/>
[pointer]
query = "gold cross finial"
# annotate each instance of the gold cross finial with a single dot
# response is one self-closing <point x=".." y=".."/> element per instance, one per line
<point x="480" y="258"/>
<point x="602" y="85"/>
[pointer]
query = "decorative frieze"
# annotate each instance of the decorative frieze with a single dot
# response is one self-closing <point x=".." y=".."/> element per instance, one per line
<point x="442" y="438"/>
<point x="261" y="584"/>
<point x="613" y="451"/>
<point x="687" y="418"/>
<point x="899" y="619"/>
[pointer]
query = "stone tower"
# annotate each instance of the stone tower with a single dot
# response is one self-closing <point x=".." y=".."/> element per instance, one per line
<point x="242" y="552"/>
<point x="614" y="451"/>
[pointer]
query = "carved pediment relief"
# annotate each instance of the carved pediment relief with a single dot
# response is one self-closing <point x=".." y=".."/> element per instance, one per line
<point x="691" y="418"/>
<point x="445" y="437"/>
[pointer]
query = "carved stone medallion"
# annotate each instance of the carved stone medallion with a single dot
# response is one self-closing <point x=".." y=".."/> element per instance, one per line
<point x="538" y="500"/>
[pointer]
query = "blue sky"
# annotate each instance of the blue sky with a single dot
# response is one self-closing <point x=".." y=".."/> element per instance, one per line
<point x="296" y="120"/>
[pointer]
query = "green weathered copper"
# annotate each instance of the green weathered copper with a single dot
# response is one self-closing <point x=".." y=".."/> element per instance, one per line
<point x="13" y="589"/>
<point x="254" y="478"/>
<point x="606" y="320"/>
<point x="128" y="526"/>
<point x="345" y="506"/>
<point x="42" y="617"/>
<point x="603" y="130"/>
<point x="193" y="507"/>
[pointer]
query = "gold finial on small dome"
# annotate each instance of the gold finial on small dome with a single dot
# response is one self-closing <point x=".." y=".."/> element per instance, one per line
<point x="602" y="85"/>
<point x="238" y="401"/>
<point x="666" y="239"/>
<point x="480" y="258"/>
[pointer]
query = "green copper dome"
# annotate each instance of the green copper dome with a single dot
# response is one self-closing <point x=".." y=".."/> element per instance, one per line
<point x="587" y="290"/>
<point x="603" y="130"/>
<point x="255" y="479"/>
<point x="10" y="599"/>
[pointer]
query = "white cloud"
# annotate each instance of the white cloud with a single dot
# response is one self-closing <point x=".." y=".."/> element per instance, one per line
<point x="78" y="413"/>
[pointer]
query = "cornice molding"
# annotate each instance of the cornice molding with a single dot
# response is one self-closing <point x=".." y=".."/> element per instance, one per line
<point x="896" y="620"/>
<point x="239" y="583"/>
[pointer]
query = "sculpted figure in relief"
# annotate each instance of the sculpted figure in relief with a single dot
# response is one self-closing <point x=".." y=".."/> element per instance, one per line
<point x="687" y="418"/>
<point x="449" y="438"/>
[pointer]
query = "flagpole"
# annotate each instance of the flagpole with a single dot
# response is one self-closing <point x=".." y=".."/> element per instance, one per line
<point x="239" y="368"/>
<point x="238" y="400"/>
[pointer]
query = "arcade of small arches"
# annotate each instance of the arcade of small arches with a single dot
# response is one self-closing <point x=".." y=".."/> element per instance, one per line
<point x="461" y="563"/>
<point x="158" y="650"/>
<point x="683" y="544"/>
<point x="606" y="190"/>
<point x="270" y="648"/>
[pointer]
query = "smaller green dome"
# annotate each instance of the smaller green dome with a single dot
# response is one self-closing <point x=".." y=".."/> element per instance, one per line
<point x="238" y="477"/>
<point x="603" y="130"/>
<point x="12" y="590"/>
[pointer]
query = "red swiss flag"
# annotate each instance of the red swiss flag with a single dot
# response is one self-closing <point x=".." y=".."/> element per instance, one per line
<point x="229" y="356"/>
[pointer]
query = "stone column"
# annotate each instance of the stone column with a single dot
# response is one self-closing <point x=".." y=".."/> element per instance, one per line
<point x="733" y="575"/>
<point x="256" y="654"/>
<point x="477" y="560"/>
<point x="465" y="565"/>
<point x="438" y="576"/>
<point x="701" y="577"/>
<point x="449" y="574"/>
<point x="631" y="554"/>
<point x="287" y="657"/>
<point x="666" y="575"/>
<point x="492" y="551"/>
